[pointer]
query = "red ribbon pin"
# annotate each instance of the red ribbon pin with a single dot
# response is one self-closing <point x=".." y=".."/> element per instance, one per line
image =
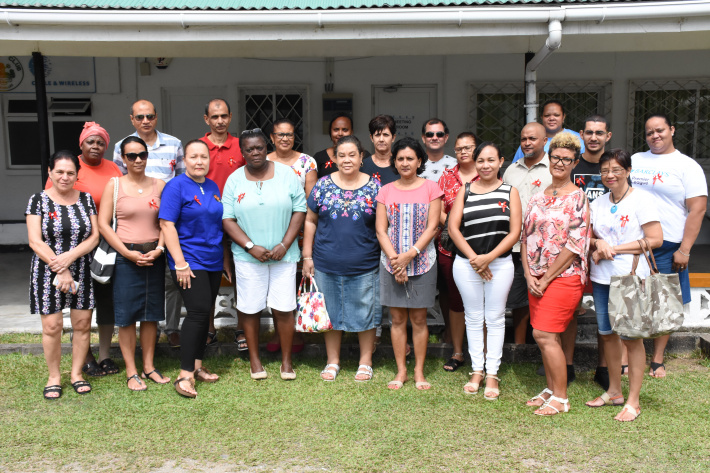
<point x="241" y="196"/>
<point x="231" y="162"/>
<point x="328" y="164"/>
<point x="172" y="165"/>
<point x="503" y="206"/>
<point x="198" y="200"/>
<point x="369" y="202"/>
<point x="657" y="177"/>
<point x="624" y="219"/>
<point x="579" y="181"/>
<point x="377" y="176"/>
<point x="152" y="204"/>
<point x="537" y="183"/>
<point x="53" y="215"/>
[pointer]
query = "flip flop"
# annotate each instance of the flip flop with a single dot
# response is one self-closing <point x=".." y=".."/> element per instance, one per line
<point x="654" y="367"/>
<point x="633" y="411"/>
<point x="181" y="391"/>
<point x="55" y="388"/>
<point x="200" y="375"/>
<point x="138" y="380"/>
<point x="147" y="376"/>
<point x="608" y="400"/>
<point x="422" y="385"/>
<point x="395" y="385"/>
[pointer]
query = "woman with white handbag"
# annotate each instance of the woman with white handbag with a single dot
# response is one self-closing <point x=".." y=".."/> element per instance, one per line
<point x="620" y="219"/>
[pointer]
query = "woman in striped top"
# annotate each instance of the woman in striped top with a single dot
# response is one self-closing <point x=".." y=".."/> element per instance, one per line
<point x="484" y="224"/>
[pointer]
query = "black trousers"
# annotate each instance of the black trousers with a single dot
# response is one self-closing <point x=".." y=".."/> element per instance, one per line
<point x="198" y="300"/>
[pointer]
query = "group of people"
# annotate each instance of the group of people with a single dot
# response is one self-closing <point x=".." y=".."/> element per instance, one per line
<point x="368" y="229"/>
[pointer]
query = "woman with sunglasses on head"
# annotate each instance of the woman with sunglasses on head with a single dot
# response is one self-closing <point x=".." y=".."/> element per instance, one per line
<point x="191" y="220"/>
<point x="139" y="274"/>
<point x="620" y="218"/>
<point x="554" y="246"/>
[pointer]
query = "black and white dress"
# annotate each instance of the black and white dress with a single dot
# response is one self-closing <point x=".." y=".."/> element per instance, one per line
<point x="64" y="227"/>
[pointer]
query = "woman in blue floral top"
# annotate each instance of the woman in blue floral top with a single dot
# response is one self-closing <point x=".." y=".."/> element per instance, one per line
<point x="340" y="248"/>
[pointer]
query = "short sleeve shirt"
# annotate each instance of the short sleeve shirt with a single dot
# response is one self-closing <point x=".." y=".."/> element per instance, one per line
<point x="165" y="157"/>
<point x="671" y="179"/>
<point x="93" y="179"/>
<point x="302" y="166"/>
<point x="433" y="170"/>
<point x="407" y="215"/>
<point x="263" y="209"/>
<point x="552" y="224"/>
<point x="586" y="176"/>
<point x="345" y="241"/>
<point x="224" y="159"/>
<point x="619" y="227"/>
<point x="196" y="210"/>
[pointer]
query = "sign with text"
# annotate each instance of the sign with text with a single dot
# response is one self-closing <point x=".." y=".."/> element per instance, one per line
<point x="62" y="74"/>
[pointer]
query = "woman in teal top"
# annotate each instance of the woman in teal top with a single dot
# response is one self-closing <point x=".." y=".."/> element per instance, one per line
<point x="264" y="208"/>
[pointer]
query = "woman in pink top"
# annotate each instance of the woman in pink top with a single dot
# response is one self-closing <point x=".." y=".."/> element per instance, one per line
<point x="139" y="274"/>
<point x="408" y="211"/>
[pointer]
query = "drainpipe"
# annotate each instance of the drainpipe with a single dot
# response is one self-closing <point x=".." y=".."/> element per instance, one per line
<point x="553" y="42"/>
<point x="42" y="115"/>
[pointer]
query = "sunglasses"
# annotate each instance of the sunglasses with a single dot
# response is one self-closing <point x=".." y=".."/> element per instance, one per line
<point x="133" y="156"/>
<point x="140" y="118"/>
<point x="439" y="134"/>
<point x="255" y="130"/>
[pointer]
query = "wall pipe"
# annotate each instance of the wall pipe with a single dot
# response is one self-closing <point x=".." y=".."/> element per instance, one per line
<point x="42" y="114"/>
<point x="552" y="44"/>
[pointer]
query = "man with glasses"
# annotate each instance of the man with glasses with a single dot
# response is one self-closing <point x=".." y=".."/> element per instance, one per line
<point x="529" y="176"/>
<point x="165" y="161"/>
<point x="435" y="134"/>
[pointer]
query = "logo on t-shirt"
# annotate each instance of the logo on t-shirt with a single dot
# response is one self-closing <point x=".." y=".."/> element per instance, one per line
<point x="591" y="184"/>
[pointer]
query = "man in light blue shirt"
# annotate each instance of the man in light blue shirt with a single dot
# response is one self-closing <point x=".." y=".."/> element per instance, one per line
<point x="553" y="118"/>
<point x="165" y="161"/>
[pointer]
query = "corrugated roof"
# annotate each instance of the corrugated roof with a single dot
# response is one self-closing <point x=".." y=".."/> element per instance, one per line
<point x="274" y="4"/>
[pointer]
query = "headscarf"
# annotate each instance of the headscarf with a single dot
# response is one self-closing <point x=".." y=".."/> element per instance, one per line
<point x="92" y="129"/>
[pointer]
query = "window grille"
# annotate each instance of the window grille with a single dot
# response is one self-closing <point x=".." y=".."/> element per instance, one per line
<point x="261" y="107"/>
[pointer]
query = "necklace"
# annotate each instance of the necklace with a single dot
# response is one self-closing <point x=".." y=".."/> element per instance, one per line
<point x="613" y="207"/>
<point x="554" y="191"/>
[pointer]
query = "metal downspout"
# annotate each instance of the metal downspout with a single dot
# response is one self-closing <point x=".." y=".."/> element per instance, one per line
<point x="553" y="42"/>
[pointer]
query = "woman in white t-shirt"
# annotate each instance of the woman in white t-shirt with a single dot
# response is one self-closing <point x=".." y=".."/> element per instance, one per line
<point x="678" y="184"/>
<point x="620" y="218"/>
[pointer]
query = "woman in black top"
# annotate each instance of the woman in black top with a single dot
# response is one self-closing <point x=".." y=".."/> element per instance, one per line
<point x="340" y="125"/>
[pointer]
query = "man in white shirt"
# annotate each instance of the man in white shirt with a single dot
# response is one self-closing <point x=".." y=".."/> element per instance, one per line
<point x="435" y="134"/>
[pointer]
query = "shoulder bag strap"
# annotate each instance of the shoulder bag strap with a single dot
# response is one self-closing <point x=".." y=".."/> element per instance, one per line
<point x="115" y="199"/>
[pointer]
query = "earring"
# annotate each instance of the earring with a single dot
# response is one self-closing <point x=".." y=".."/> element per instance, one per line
<point x="361" y="163"/>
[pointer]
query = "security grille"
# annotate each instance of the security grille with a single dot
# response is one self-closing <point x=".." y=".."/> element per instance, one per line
<point x="687" y="105"/>
<point x="496" y="111"/>
<point x="261" y="107"/>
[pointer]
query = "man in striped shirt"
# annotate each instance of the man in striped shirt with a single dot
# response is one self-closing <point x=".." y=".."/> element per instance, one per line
<point x="165" y="161"/>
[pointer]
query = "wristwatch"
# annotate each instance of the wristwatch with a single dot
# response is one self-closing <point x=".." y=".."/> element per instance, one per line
<point x="249" y="245"/>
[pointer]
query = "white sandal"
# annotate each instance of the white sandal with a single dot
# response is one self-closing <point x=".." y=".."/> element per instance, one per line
<point x="363" y="369"/>
<point x="330" y="368"/>
<point x="564" y="402"/>
<point x="475" y="386"/>
<point x="494" y="391"/>
<point x="539" y="396"/>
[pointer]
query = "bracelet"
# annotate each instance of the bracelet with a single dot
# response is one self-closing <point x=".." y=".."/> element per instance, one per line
<point x="282" y="244"/>
<point x="187" y="265"/>
<point x="305" y="258"/>
<point x="416" y="249"/>
<point x="687" y="256"/>
<point x="161" y="248"/>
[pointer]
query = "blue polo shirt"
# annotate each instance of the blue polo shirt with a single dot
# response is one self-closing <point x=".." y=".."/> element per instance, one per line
<point x="198" y="221"/>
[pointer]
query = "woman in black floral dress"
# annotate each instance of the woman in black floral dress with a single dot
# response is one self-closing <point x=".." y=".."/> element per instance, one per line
<point x="62" y="230"/>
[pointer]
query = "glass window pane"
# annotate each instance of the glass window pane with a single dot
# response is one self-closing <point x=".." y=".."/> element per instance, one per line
<point x="66" y="136"/>
<point x="24" y="145"/>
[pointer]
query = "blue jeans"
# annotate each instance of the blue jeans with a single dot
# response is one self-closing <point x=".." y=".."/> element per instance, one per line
<point x="664" y="261"/>
<point x="600" y="292"/>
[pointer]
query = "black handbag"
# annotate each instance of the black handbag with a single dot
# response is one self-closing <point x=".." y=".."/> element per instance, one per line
<point x="104" y="259"/>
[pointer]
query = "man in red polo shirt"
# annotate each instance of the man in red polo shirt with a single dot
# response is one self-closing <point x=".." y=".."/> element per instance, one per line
<point x="225" y="158"/>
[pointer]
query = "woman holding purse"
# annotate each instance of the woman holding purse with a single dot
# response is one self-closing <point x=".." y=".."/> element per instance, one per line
<point x="619" y="219"/>
<point x="340" y="248"/>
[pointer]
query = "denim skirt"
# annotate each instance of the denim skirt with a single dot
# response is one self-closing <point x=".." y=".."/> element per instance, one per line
<point x="352" y="302"/>
<point x="138" y="292"/>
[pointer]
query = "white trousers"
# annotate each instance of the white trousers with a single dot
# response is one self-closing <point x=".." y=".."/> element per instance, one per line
<point x="484" y="301"/>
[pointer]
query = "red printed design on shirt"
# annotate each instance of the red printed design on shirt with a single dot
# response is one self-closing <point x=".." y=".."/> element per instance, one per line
<point x="657" y="177"/>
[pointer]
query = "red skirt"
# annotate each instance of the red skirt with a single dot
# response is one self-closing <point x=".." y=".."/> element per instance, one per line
<point x="554" y="310"/>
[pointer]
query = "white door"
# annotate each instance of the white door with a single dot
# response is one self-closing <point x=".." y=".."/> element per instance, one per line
<point x="409" y="105"/>
<point x="184" y="108"/>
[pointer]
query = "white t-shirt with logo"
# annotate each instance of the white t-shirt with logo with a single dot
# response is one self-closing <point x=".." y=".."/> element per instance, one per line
<point x="620" y="227"/>
<point x="433" y="170"/>
<point x="671" y="178"/>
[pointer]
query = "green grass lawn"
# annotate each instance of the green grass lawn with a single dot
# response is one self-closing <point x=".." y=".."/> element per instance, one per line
<point x="309" y="425"/>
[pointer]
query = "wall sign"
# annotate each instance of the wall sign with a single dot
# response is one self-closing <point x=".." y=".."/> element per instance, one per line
<point x="62" y="74"/>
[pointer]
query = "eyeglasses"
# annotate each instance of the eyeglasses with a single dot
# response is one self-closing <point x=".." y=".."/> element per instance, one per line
<point x="615" y="172"/>
<point x="283" y="136"/>
<point x="565" y="161"/>
<point x="140" y="118"/>
<point x="460" y="150"/>
<point x="592" y="133"/>
<point x="439" y="134"/>
<point x="255" y="130"/>
<point x="133" y="156"/>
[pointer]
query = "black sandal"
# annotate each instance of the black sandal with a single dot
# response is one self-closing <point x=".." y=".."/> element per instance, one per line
<point x="147" y="376"/>
<point x="453" y="364"/>
<point x="81" y="384"/>
<point x="241" y="344"/>
<point x="109" y="366"/>
<point x="55" y="388"/>
<point x="211" y="338"/>
<point x="138" y="380"/>
<point x="93" y="369"/>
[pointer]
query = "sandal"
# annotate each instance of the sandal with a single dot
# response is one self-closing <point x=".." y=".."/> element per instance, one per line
<point x="532" y="402"/>
<point x="491" y="394"/>
<point x="655" y="366"/>
<point x="453" y="364"/>
<point x="473" y="385"/>
<point x="109" y="366"/>
<point x="564" y="402"/>
<point x="55" y="388"/>
<point x="330" y="368"/>
<point x="93" y="369"/>
<point x="211" y="339"/>
<point x="631" y="410"/>
<point x="395" y="385"/>
<point x="138" y="380"/>
<point x="200" y="375"/>
<point x="81" y="384"/>
<point x="241" y="344"/>
<point x="422" y="385"/>
<point x="148" y="376"/>
<point x="607" y="400"/>
<point x="182" y="391"/>
<point x="363" y="370"/>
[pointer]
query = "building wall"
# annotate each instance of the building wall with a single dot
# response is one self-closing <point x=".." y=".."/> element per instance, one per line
<point x="119" y="84"/>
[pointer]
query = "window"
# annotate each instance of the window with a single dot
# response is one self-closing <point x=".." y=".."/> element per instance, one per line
<point x="496" y="111"/>
<point x="260" y="107"/>
<point x="22" y="130"/>
<point x="687" y="104"/>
